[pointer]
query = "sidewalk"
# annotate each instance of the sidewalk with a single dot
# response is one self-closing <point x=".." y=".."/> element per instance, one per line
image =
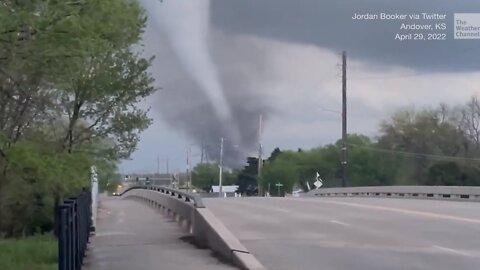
<point x="131" y="235"/>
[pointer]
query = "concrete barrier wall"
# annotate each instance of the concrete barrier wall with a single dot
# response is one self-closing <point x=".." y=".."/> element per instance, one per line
<point x="420" y="192"/>
<point x="210" y="231"/>
<point x="207" y="230"/>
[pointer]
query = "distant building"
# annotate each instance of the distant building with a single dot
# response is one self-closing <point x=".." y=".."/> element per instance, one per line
<point x="228" y="190"/>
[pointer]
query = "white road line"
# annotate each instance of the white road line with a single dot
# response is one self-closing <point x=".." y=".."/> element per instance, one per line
<point x="399" y="210"/>
<point x="258" y="206"/>
<point x="452" y="251"/>
<point x="340" y="223"/>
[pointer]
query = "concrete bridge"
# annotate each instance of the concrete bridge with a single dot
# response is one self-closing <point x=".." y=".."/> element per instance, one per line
<point x="372" y="228"/>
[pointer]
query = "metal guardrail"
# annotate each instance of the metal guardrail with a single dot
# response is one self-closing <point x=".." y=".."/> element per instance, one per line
<point x="195" y="199"/>
<point x="73" y="224"/>
<point x="463" y="193"/>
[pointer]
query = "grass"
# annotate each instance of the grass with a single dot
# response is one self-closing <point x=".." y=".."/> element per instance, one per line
<point x="32" y="253"/>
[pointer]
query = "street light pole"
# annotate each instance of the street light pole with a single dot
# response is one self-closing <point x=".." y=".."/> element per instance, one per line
<point x="220" y="193"/>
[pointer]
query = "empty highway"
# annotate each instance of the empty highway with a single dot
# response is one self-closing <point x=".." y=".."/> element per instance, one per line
<point x="355" y="233"/>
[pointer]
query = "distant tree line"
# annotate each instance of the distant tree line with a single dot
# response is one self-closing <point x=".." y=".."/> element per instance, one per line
<point x="206" y="175"/>
<point x="69" y="85"/>
<point x="430" y="146"/>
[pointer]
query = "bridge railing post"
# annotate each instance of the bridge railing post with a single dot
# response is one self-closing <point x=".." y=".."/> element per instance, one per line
<point x="73" y="223"/>
<point x="62" y="237"/>
<point x="72" y="233"/>
<point x="70" y="239"/>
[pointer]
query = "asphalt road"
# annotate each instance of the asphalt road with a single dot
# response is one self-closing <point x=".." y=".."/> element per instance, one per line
<point x="355" y="233"/>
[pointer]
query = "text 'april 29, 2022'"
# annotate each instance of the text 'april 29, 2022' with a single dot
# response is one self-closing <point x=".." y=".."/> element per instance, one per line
<point x="426" y="26"/>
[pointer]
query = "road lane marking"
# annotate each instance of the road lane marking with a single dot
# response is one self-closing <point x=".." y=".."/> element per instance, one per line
<point x="258" y="206"/>
<point x="401" y="210"/>
<point x="452" y="251"/>
<point x="340" y="223"/>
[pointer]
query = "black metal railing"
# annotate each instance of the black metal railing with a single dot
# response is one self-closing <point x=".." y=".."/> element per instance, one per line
<point x="73" y="220"/>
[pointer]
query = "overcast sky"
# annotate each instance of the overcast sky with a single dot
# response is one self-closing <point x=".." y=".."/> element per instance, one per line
<point x="282" y="58"/>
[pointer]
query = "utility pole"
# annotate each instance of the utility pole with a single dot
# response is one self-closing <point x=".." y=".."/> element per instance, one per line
<point x="188" y="169"/>
<point x="344" y="119"/>
<point x="260" y="160"/>
<point x="166" y="165"/>
<point x="202" y="150"/>
<point x="158" y="165"/>
<point x="220" y="166"/>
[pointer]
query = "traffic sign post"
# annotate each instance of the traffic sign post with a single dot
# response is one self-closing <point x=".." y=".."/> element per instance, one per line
<point x="278" y="185"/>
<point x="319" y="182"/>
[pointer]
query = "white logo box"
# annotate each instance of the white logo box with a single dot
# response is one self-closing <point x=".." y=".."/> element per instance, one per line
<point x="466" y="25"/>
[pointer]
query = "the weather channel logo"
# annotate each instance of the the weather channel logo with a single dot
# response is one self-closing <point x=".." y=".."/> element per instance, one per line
<point x="467" y="25"/>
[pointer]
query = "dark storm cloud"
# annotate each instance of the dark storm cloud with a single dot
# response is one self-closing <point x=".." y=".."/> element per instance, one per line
<point x="328" y="23"/>
<point x="260" y="75"/>
<point x="185" y="108"/>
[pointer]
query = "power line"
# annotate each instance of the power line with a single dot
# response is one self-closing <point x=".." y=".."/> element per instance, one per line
<point x="390" y="77"/>
<point x="413" y="154"/>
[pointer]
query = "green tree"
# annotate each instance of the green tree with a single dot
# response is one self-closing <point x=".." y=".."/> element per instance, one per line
<point x="247" y="178"/>
<point x="444" y="174"/>
<point x="276" y="152"/>
<point x="229" y="177"/>
<point x="69" y="89"/>
<point x="414" y="147"/>
<point x="205" y="175"/>
<point x="299" y="168"/>
<point x="72" y="61"/>
<point x="281" y="171"/>
<point x="417" y="136"/>
<point x="366" y="167"/>
<point x="104" y="104"/>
